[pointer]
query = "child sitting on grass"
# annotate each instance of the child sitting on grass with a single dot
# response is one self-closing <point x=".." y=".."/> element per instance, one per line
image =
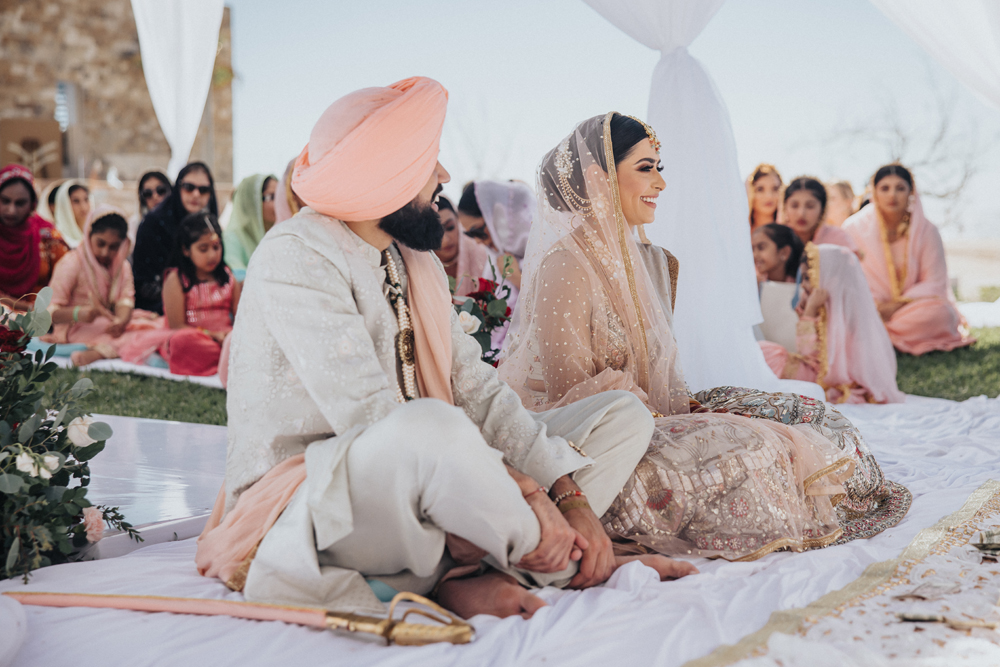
<point x="93" y="294"/>
<point x="200" y="298"/>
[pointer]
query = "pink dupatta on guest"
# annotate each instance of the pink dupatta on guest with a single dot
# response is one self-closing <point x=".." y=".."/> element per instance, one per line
<point x="106" y="284"/>
<point x="835" y="236"/>
<point x="854" y="348"/>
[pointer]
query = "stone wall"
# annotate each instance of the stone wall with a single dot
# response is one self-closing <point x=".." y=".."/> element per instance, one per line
<point x="93" y="46"/>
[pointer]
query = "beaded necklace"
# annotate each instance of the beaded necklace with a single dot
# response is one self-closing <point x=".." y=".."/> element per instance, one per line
<point x="404" y="340"/>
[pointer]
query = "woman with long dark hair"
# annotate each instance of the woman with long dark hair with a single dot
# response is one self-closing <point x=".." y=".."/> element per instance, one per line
<point x="193" y="192"/>
<point x="154" y="188"/>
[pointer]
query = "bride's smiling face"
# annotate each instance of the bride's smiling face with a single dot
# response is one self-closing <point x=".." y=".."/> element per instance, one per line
<point x="640" y="183"/>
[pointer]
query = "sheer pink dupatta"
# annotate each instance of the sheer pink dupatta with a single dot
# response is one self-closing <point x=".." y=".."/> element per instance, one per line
<point x="853" y="344"/>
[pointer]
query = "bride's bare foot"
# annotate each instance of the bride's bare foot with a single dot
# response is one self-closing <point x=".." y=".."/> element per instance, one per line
<point x="495" y="593"/>
<point x="667" y="568"/>
<point x="85" y="357"/>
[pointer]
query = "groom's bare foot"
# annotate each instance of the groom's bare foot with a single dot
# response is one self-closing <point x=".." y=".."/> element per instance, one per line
<point x="85" y="357"/>
<point x="667" y="568"/>
<point x="495" y="593"/>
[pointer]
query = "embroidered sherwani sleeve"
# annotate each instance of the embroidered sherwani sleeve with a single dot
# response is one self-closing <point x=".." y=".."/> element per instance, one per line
<point x="506" y="424"/>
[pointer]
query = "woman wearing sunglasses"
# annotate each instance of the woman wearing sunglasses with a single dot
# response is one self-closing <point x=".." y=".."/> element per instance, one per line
<point x="253" y="215"/>
<point x="194" y="191"/>
<point x="154" y="187"/>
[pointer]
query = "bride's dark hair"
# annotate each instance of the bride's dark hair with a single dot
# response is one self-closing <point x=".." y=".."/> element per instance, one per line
<point x="625" y="134"/>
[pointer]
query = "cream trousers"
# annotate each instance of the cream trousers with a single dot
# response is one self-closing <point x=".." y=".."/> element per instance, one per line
<point x="425" y="471"/>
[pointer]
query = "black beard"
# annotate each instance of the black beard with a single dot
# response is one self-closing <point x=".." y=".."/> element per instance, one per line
<point x="416" y="226"/>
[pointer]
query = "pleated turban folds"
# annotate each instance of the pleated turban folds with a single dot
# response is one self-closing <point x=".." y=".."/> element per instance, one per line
<point x="373" y="150"/>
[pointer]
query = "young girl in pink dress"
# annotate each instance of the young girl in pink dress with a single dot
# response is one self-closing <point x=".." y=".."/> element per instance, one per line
<point x="200" y="298"/>
<point x="92" y="291"/>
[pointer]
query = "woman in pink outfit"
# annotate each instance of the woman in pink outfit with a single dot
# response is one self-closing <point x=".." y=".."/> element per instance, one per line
<point x="905" y="266"/>
<point x="93" y="293"/>
<point x="200" y="298"/>
<point x="804" y="207"/>
<point x="841" y="343"/>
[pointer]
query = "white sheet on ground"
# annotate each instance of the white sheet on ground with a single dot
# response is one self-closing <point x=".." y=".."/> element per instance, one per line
<point x="119" y="366"/>
<point x="941" y="450"/>
<point x="981" y="313"/>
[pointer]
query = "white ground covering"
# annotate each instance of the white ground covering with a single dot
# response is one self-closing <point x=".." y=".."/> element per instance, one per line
<point x="941" y="450"/>
<point x="981" y="313"/>
<point x="119" y="366"/>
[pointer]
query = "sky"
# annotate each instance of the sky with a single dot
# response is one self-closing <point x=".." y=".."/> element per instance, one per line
<point x="807" y="84"/>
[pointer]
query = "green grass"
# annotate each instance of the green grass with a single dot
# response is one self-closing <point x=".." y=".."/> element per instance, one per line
<point x="141" y="396"/>
<point x="956" y="375"/>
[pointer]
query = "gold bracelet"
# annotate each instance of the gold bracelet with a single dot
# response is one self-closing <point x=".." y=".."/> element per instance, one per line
<point x="575" y="504"/>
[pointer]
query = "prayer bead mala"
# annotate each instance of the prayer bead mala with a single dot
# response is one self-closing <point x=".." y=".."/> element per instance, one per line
<point x="404" y="340"/>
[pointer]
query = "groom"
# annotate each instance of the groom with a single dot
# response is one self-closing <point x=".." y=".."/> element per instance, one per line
<point x="368" y="443"/>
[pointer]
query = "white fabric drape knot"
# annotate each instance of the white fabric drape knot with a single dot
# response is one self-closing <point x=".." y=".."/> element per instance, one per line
<point x="178" y="41"/>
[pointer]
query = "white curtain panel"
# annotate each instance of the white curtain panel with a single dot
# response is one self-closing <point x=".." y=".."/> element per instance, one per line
<point x="702" y="216"/>
<point x="178" y="40"/>
<point x="963" y="35"/>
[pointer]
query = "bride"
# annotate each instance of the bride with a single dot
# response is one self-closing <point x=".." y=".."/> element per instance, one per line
<point x="595" y="314"/>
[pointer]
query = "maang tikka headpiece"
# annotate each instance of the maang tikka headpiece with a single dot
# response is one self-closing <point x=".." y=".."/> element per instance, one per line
<point x="649" y="132"/>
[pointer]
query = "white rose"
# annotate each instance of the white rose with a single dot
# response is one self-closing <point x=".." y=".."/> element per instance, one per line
<point x="470" y="323"/>
<point x="26" y="464"/>
<point x="77" y="431"/>
<point x="51" y="462"/>
<point x="43" y="473"/>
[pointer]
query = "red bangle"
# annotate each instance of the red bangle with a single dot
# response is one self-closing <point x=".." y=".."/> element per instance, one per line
<point x="531" y="493"/>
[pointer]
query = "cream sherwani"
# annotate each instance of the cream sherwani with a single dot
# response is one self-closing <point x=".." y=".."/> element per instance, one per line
<point x="313" y="369"/>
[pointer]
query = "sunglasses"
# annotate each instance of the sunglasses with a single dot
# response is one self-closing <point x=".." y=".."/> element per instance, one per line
<point x="267" y="198"/>
<point x="191" y="187"/>
<point x="478" y="233"/>
<point x="161" y="190"/>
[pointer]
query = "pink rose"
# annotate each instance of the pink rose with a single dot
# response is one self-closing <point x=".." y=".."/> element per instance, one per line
<point x="93" y="521"/>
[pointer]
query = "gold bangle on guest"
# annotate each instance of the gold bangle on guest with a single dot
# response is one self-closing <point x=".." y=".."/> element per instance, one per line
<point x="126" y="302"/>
<point x="574" y="504"/>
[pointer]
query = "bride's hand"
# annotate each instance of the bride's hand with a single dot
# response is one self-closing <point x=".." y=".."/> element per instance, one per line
<point x="598" y="562"/>
<point x="560" y="542"/>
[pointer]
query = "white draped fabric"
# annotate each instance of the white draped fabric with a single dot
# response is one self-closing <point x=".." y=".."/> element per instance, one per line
<point x="178" y="41"/>
<point x="963" y="36"/>
<point x="702" y="215"/>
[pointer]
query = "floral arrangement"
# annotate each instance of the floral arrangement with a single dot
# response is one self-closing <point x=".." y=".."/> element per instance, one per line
<point x="46" y="440"/>
<point x="483" y="312"/>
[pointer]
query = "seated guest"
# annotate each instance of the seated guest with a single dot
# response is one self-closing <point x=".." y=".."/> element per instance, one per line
<point x="30" y="247"/>
<point x="200" y="297"/>
<point x="506" y="209"/>
<point x="464" y="260"/>
<point x="777" y="251"/>
<point x="47" y="201"/>
<point x="92" y="290"/>
<point x="252" y="216"/>
<point x="905" y="266"/>
<point x="154" y="187"/>
<point x="839" y="203"/>
<point x="71" y="211"/>
<point x="286" y="202"/>
<point x="804" y="206"/>
<point x="763" y="189"/>
<point x="841" y="343"/>
<point x="193" y="192"/>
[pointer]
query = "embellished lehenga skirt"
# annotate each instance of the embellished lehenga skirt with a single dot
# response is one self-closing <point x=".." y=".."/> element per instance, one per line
<point x="749" y="473"/>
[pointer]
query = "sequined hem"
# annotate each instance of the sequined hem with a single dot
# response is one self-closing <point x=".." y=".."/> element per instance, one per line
<point x="890" y="510"/>
<point x="792" y="545"/>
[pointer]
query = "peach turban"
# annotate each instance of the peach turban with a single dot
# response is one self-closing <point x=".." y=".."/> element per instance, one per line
<point x="373" y="150"/>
